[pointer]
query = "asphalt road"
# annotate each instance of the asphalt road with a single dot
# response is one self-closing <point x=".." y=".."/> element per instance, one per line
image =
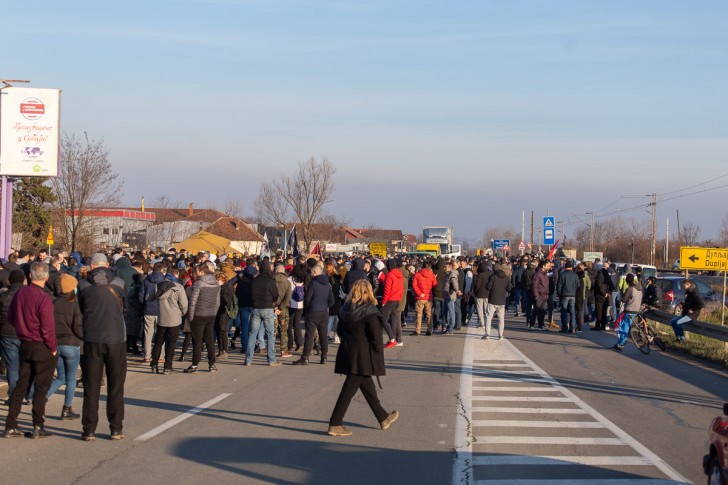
<point x="261" y="424"/>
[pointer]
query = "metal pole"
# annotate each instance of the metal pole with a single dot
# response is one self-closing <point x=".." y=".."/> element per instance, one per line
<point x="3" y="223"/>
<point x="8" y="217"/>
<point x="722" y="313"/>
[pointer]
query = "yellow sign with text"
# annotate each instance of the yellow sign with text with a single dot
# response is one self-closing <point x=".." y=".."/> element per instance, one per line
<point x="713" y="259"/>
<point x="378" y="249"/>
<point x="49" y="239"/>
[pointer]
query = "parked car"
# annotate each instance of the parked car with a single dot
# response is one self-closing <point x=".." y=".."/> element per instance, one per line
<point x="715" y="463"/>
<point x="672" y="290"/>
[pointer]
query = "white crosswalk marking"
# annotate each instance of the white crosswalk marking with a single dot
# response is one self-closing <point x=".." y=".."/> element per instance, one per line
<point x="514" y="416"/>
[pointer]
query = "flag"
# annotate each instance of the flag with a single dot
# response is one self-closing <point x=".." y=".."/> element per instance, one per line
<point x="293" y="242"/>
<point x="553" y="250"/>
<point x="316" y="249"/>
<point x="264" y="250"/>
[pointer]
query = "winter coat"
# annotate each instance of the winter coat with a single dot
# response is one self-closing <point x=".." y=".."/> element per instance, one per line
<point x="355" y="274"/>
<point x="540" y="286"/>
<point x="134" y="309"/>
<point x="438" y="267"/>
<point x="632" y="299"/>
<point x="204" y="297"/>
<point x="423" y="283"/>
<point x="69" y="322"/>
<point x="173" y="303"/>
<point x="148" y="294"/>
<point x="264" y="292"/>
<point x="582" y="294"/>
<point x="499" y="284"/>
<point x="603" y="284"/>
<point x="527" y="279"/>
<point x="283" y="284"/>
<point x="6" y="297"/>
<point x="406" y="276"/>
<point x="361" y="351"/>
<point x="652" y="295"/>
<point x="319" y="296"/>
<point x="693" y="304"/>
<point x="226" y="297"/>
<point x="480" y="284"/>
<point x="451" y="286"/>
<point x="393" y="286"/>
<point x="125" y="271"/>
<point x="568" y="284"/>
<point x="243" y="289"/>
<point x="335" y="282"/>
<point x="101" y="298"/>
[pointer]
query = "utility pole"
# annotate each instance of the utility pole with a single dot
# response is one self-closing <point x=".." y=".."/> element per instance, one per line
<point x="531" y="239"/>
<point x="591" y="232"/>
<point x="523" y="225"/>
<point x="667" y="243"/>
<point x="653" y="248"/>
<point x="679" y="237"/>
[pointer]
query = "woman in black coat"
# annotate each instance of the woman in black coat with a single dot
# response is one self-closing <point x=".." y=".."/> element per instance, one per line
<point x="360" y="356"/>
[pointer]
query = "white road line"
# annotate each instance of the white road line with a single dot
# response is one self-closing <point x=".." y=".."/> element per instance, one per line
<point x="538" y="424"/>
<point x="547" y="440"/>
<point x="175" y="421"/>
<point x="586" y="481"/>
<point x="481" y="366"/>
<point x="505" y="372"/>
<point x="480" y="460"/>
<point x="530" y="380"/>
<point x="462" y="470"/>
<point x="497" y="409"/>
<point x="521" y="398"/>
<point x="626" y="438"/>
<point x="518" y="389"/>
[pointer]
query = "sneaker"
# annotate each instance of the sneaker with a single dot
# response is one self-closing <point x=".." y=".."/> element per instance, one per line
<point x="40" y="432"/>
<point x="301" y="361"/>
<point x="191" y="369"/>
<point x="167" y="372"/>
<point x="274" y="364"/>
<point x="448" y="333"/>
<point x="213" y="368"/>
<point x="12" y="433"/>
<point x="248" y="364"/>
<point x="501" y="337"/>
<point x="415" y="334"/>
<point x="337" y="340"/>
<point x="390" y="344"/>
<point x="390" y="419"/>
<point x="531" y="329"/>
<point x="485" y="337"/>
<point x="400" y="344"/>
<point x="116" y="435"/>
<point x="607" y="327"/>
<point x="286" y="354"/>
<point x="428" y="333"/>
<point x="88" y="436"/>
<point x="618" y="347"/>
<point x="338" y="431"/>
<point x="544" y="329"/>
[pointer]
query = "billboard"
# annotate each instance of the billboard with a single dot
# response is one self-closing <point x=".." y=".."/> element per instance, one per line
<point x="29" y="131"/>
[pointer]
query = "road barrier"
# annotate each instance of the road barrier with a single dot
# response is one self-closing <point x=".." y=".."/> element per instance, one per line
<point x="710" y="330"/>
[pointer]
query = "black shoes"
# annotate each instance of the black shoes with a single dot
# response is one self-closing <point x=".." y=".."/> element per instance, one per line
<point x="191" y="369"/>
<point x="167" y="372"/>
<point x="67" y="413"/>
<point x="213" y="368"/>
<point x="323" y="359"/>
<point x="428" y="333"/>
<point x="39" y="432"/>
<point x="155" y="367"/>
<point x="301" y="361"/>
<point x="618" y="347"/>
<point x="13" y="433"/>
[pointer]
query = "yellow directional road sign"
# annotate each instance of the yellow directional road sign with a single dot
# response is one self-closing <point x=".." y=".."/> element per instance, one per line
<point x="713" y="259"/>
<point x="378" y="249"/>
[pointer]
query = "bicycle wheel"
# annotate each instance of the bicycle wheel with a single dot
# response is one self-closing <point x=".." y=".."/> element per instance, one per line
<point x="654" y="339"/>
<point x="639" y="337"/>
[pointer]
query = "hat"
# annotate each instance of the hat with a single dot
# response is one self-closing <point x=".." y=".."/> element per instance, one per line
<point x="99" y="258"/>
<point x="68" y="283"/>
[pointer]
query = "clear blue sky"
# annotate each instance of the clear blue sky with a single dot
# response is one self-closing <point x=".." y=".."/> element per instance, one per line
<point x="462" y="112"/>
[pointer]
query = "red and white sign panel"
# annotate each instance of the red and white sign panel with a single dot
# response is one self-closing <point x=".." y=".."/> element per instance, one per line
<point x="30" y="122"/>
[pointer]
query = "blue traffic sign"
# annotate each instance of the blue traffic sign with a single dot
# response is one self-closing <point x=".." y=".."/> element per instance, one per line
<point x="549" y="230"/>
<point x="499" y="244"/>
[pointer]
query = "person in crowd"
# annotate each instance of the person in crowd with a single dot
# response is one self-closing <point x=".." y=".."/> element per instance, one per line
<point x="9" y="341"/>
<point x="423" y="284"/>
<point x="264" y="295"/>
<point x="540" y="291"/>
<point x="203" y="306"/>
<point x="391" y="297"/>
<point x="318" y="299"/>
<point x="337" y="289"/>
<point x="632" y="301"/>
<point x="222" y="319"/>
<point x="243" y="291"/>
<point x="603" y="288"/>
<point x="582" y="295"/>
<point x="295" y="311"/>
<point x="498" y="286"/>
<point x="173" y="304"/>
<point x="283" y="303"/>
<point x="360" y="356"/>
<point x="148" y="297"/>
<point x="691" y="308"/>
<point x="481" y="292"/>
<point x="101" y="298"/>
<point x="652" y="296"/>
<point x="450" y="292"/>
<point x="31" y="314"/>
<point x="566" y="288"/>
<point x="131" y="273"/>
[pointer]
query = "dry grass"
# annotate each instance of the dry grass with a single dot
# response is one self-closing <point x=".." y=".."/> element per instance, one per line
<point x="696" y="345"/>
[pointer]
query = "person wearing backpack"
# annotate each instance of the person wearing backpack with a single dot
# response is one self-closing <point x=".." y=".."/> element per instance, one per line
<point x="173" y="304"/>
<point x="148" y="297"/>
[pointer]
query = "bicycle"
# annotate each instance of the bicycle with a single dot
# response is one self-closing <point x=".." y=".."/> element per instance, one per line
<point x="643" y="334"/>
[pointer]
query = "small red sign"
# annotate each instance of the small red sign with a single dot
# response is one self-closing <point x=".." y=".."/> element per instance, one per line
<point x="32" y="108"/>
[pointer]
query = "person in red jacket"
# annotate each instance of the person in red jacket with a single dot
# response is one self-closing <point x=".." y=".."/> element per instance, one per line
<point x="393" y="293"/>
<point x="422" y="285"/>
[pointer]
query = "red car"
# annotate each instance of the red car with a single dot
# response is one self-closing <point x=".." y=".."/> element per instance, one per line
<point x="715" y="463"/>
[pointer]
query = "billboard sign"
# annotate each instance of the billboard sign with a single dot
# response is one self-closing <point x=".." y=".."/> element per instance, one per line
<point x="501" y="244"/>
<point x="29" y="131"/>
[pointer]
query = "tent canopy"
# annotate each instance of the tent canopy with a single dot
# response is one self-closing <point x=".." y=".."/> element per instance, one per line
<point x="204" y="241"/>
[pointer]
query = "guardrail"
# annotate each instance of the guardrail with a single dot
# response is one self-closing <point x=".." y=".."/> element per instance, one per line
<point x="711" y="330"/>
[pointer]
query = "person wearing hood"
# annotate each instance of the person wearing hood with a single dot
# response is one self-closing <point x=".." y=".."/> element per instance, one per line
<point x="356" y="273"/>
<point x="203" y="305"/>
<point x="360" y="356"/>
<point x="481" y="292"/>
<point x="148" y="297"/>
<point x="632" y="301"/>
<point x="173" y="304"/>
<point x="498" y="286"/>
<point x="101" y="298"/>
<point x="319" y="298"/>
<point x="264" y="294"/>
<point x="423" y="284"/>
<point x="391" y="297"/>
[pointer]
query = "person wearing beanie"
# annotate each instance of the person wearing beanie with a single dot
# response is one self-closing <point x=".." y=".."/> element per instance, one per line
<point x="69" y="337"/>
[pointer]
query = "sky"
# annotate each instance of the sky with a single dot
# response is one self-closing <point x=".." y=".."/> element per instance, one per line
<point x="459" y="113"/>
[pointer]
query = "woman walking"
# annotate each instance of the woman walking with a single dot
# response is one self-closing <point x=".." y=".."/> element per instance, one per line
<point x="360" y="356"/>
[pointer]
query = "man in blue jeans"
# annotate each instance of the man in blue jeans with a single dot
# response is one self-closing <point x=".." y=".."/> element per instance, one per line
<point x="264" y="293"/>
<point x="691" y="308"/>
<point x="9" y="342"/>
<point x="566" y="288"/>
<point x="450" y="294"/>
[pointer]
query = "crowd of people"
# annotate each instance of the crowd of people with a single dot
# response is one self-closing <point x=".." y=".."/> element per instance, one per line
<point x="62" y="311"/>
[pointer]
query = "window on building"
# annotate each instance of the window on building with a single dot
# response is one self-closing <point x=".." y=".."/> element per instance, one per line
<point x="106" y="232"/>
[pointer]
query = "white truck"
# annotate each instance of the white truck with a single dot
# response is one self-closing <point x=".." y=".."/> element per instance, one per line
<point x="442" y="235"/>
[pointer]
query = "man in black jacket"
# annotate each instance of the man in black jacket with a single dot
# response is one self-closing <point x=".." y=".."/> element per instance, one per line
<point x="264" y="294"/>
<point x="319" y="297"/>
<point x="101" y="297"/>
<point x="603" y="288"/>
<point x="9" y="342"/>
<point x="499" y="285"/>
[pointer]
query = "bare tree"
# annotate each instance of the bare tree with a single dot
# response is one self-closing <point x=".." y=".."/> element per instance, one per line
<point x="85" y="180"/>
<point x="723" y="235"/>
<point x="303" y="194"/>
<point x="233" y="208"/>
<point x="501" y="232"/>
<point x="689" y="234"/>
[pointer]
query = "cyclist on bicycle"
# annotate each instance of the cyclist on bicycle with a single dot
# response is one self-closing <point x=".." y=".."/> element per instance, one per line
<point x="632" y="301"/>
